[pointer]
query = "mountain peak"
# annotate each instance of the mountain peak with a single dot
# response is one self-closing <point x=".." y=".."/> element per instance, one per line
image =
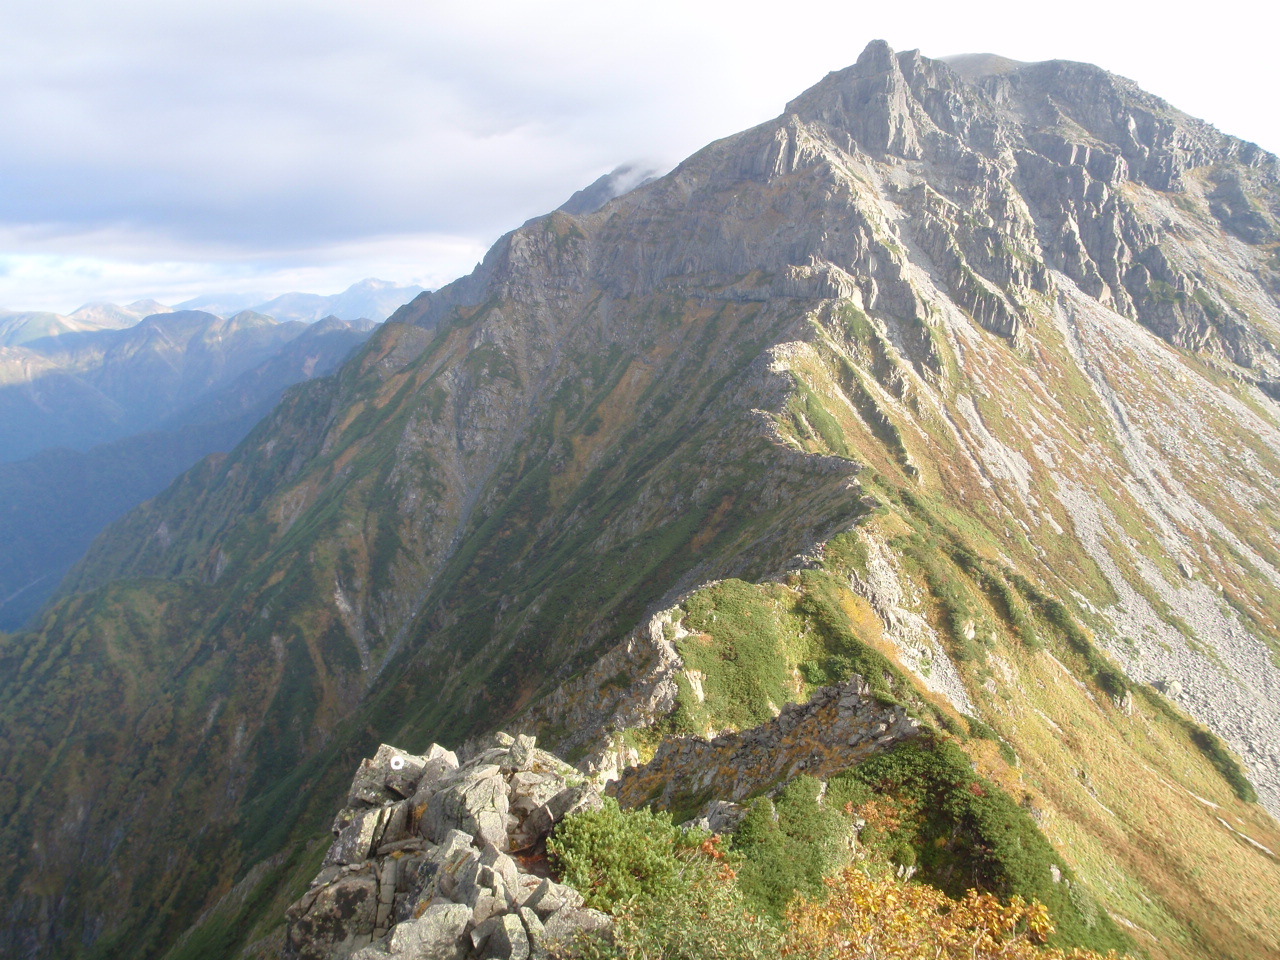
<point x="961" y="378"/>
<point x="876" y="57"/>
<point x="870" y="100"/>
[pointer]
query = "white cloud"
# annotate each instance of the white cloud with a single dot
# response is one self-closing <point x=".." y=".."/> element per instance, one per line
<point x="167" y="144"/>
<point x="97" y="267"/>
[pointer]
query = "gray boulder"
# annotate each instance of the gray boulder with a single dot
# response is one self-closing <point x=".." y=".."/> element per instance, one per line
<point x="469" y="887"/>
<point x="440" y="765"/>
<point x="718" y="816"/>
<point x="1170" y="688"/>
<point x="520" y="755"/>
<point x="531" y="790"/>
<point x="542" y="820"/>
<point x="526" y="884"/>
<point x="359" y="833"/>
<point x="488" y="905"/>
<point x="396" y="826"/>
<point x="498" y="866"/>
<point x="505" y="939"/>
<point x="457" y="876"/>
<point x="537" y="934"/>
<point x="475" y="803"/>
<point x="416" y="883"/>
<point x="385" y="777"/>
<point x="439" y="934"/>
<point x="551" y="897"/>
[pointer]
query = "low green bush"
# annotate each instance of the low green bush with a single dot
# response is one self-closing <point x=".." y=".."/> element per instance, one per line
<point x="1217" y="753"/>
<point x="610" y="855"/>
<point x="672" y="892"/>
<point x="789" y="847"/>
<point x="702" y="917"/>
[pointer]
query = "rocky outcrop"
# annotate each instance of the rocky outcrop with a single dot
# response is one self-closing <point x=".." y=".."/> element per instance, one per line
<point x="436" y="860"/>
<point x="632" y="685"/>
<point x="839" y="726"/>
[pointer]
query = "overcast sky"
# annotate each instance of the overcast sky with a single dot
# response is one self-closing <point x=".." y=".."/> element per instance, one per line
<point x="167" y="149"/>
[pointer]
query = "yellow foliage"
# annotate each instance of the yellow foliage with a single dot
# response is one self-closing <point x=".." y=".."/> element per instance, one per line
<point x="884" y="918"/>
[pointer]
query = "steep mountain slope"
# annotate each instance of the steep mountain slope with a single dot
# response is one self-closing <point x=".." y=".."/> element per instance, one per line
<point x="56" y="502"/>
<point x="967" y="377"/>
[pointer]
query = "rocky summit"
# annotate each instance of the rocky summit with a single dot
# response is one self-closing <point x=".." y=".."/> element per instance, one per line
<point x="441" y="860"/>
<point x="938" y="417"/>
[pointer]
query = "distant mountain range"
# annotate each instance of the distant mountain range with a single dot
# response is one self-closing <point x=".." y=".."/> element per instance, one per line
<point x="19" y="327"/>
<point x="100" y="409"/>
<point x="97" y="422"/>
<point x="369" y="299"/>
<point x="84" y="388"/>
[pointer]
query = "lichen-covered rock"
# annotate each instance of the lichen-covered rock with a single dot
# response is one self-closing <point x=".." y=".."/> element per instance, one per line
<point x="456" y="877"/>
<point x="333" y="921"/>
<point x="718" y="816"/>
<point x="499" y="866"/>
<point x="358" y="834"/>
<point x="390" y="774"/>
<point x="507" y="941"/>
<point x="520" y="755"/>
<point x="395" y="827"/>
<point x="440" y="765"/>
<point x="839" y="726"/>
<point x="439" y="934"/>
<point x="537" y="934"/>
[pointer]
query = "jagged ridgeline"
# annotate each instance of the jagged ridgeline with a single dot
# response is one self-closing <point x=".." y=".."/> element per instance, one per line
<point x="954" y="383"/>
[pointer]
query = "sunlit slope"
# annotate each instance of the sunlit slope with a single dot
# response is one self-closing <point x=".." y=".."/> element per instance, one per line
<point x="1136" y="799"/>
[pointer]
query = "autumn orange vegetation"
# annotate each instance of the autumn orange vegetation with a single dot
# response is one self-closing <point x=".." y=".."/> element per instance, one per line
<point x="884" y="918"/>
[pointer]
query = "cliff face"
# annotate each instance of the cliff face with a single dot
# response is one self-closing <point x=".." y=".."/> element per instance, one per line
<point x="1008" y="334"/>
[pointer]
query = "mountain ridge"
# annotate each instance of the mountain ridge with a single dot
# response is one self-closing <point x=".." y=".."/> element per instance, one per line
<point x="369" y="299"/>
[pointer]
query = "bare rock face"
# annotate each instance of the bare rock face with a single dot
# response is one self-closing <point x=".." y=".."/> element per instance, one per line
<point x="402" y="879"/>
